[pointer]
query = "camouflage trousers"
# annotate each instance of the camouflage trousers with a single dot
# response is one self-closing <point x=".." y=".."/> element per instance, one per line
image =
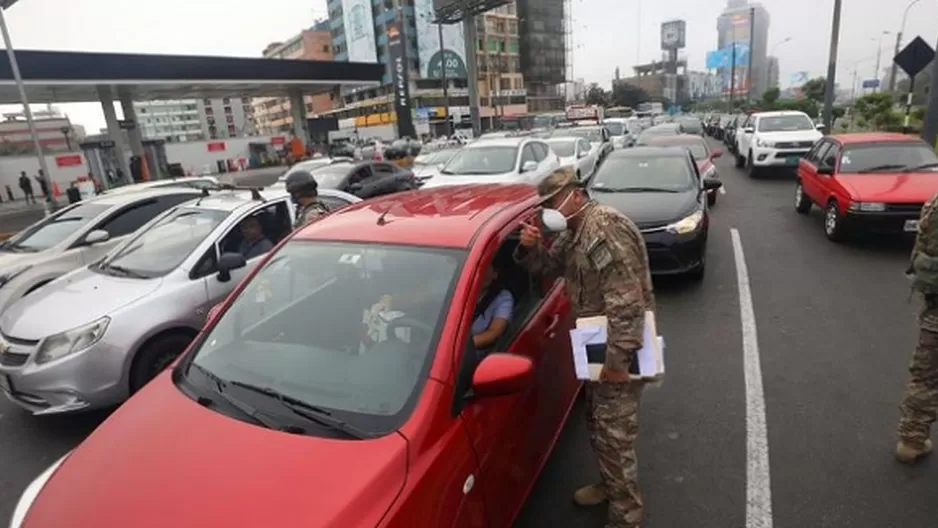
<point x="612" y="421"/>
<point x="920" y="405"/>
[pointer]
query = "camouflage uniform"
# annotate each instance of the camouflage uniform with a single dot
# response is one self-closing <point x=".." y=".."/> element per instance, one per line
<point x="920" y="405"/>
<point x="308" y="213"/>
<point x="605" y="267"/>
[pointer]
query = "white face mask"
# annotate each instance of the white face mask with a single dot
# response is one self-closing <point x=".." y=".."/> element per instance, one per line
<point x="554" y="221"/>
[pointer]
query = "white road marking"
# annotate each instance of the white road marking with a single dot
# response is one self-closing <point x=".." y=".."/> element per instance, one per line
<point x="758" y="481"/>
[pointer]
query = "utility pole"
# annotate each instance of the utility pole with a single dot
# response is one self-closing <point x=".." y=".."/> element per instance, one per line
<point x="831" y="69"/>
<point x="752" y="32"/>
<point x="447" y="127"/>
<point x="930" y="125"/>
<point x="732" y="75"/>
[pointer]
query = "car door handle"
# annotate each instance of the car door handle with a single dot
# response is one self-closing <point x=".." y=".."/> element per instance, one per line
<point x="551" y="330"/>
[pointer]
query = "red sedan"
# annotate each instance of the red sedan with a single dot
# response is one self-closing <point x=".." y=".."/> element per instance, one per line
<point x="867" y="182"/>
<point x="338" y="386"/>
<point x="702" y="155"/>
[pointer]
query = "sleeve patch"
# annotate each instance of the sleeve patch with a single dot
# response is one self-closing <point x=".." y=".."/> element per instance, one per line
<point x="600" y="255"/>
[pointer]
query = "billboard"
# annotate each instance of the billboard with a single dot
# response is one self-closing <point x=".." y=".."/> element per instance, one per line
<point x="672" y="34"/>
<point x="432" y="58"/>
<point x="737" y="32"/>
<point x="400" y="76"/>
<point x="359" y="31"/>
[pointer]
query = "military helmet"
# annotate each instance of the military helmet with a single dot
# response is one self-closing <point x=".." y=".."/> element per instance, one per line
<point x="301" y="182"/>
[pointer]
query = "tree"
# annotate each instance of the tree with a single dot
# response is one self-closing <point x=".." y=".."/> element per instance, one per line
<point x="876" y="109"/>
<point x="595" y="95"/>
<point x="625" y="94"/>
<point x="815" y="89"/>
<point x="770" y="97"/>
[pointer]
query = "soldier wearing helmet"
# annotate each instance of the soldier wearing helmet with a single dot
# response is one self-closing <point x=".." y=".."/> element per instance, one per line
<point x="303" y="188"/>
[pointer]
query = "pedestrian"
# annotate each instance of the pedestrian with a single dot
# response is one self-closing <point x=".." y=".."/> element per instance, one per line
<point x="919" y="407"/>
<point x="304" y="190"/>
<point x="43" y="186"/>
<point x="602" y="257"/>
<point x="27" y="187"/>
<point x="10" y="193"/>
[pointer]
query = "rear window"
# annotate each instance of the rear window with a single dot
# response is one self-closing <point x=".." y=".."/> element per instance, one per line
<point x="668" y="173"/>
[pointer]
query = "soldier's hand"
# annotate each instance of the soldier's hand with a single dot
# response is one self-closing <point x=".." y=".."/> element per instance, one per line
<point x="530" y="235"/>
<point x="608" y="375"/>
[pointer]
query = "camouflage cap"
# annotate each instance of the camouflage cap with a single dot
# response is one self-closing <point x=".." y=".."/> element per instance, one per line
<point x="557" y="181"/>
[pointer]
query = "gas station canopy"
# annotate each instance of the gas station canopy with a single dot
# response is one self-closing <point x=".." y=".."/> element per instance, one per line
<point x="72" y="77"/>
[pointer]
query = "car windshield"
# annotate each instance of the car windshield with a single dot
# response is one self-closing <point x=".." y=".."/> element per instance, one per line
<point x="53" y="230"/>
<point x="482" y="160"/>
<point x="691" y="125"/>
<point x="564" y="148"/>
<point x="661" y="131"/>
<point x="785" y="123"/>
<point x="615" y="128"/>
<point x="890" y="157"/>
<point x="624" y="173"/>
<point x="166" y="243"/>
<point x="697" y="148"/>
<point x="435" y="157"/>
<point x="593" y="135"/>
<point x="346" y="327"/>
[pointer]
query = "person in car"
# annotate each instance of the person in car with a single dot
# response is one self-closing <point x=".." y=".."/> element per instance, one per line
<point x="493" y="311"/>
<point x="254" y="242"/>
<point x="304" y="189"/>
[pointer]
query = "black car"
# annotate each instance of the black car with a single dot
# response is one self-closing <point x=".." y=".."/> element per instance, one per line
<point x="660" y="189"/>
<point x="365" y="179"/>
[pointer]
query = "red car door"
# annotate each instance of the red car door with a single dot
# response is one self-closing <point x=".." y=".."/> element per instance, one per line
<point x="513" y="434"/>
<point x="827" y="184"/>
<point x="807" y="172"/>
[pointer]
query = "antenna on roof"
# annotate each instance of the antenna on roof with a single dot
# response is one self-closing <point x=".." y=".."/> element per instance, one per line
<point x="382" y="219"/>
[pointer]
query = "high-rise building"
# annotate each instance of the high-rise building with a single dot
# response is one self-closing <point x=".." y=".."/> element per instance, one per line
<point x="273" y="115"/>
<point x="773" y="73"/>
<point x="733" y="25"/>
<point x="195" y="119"/>
<point x="543" y="34"/>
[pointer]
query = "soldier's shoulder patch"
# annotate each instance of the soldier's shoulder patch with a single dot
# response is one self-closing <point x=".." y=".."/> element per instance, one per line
<point x="600" y="254"/>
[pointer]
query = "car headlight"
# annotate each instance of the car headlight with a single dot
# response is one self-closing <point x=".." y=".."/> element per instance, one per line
<point x="688" y="224"/>
<point x="31" y="492"/>
<point x="868" y="207"/>
<point x="763" y="143"/>
<point x="711" y="172"/>
<point x="71" y="341"/>
<point x="7" y="277"/>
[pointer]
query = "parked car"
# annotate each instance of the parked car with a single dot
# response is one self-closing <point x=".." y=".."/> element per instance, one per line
<point x="141" y="305"/>
<point x="576" y="153"/>
<point x="499" y="160"/>
<point x="663" y="129"/>
<point x="691" y="125"/>
<point x="620" y="131"/>
<point x="703" y="156"/>
<point x="76" y="236"/>
<point x="406" y="427"/>
<point x="661" y="190"/>
<point x="365" y="179"/>
<point x="430" y="162"/>
<point x="769" y="140"/>
<point x="192" y="182"/>
<point x="313" y="164"/>
<point x="870" y="182"/>
<point x="731" y="129"/>
<point x="598" y="136"/>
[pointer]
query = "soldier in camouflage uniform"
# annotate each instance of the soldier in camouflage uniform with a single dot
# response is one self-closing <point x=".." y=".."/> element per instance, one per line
<point x="303" y="188"/>
<point x="920" y="405"/>
<point x="603" y="260"/>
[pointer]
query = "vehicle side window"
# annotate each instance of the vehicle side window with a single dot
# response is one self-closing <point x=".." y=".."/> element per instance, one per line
<point x="821" y="154"/>
<point x="381" y="169"/>
<point x="132" y="218"/>
<point x="812" y="154"/>
<point x="363" y="173"/>
<point x="584" y="145"/>
<point x="527" y="154"/>
<point x="830" y="156"/>
<point x="275" y="224"/>
<point x="540" y="151"/>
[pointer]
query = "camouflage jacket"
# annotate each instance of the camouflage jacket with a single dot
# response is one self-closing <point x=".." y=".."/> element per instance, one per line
<point x="307" y="214"/>
<point x="926" y="244"/>
<point x="604" y="264"/>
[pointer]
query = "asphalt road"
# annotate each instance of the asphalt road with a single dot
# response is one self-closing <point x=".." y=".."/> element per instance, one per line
<point x="835" y="332"/>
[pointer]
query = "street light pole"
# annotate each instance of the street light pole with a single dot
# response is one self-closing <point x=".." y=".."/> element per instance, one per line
<point x="51" y="204"/>
<point x="832" y="69"/>
<point x="893" y="72"/>
<point x="879" y="54"/>
<point x="447" y="127"/>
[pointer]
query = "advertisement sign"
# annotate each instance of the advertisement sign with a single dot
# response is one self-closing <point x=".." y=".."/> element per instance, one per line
<point x="452" y="56"/>
<point x="672" y="35"/>
<point x="359" y="31"/>
<point x="400" y="78"/>
<point x="737" y="31"/>
<point x="798" y="78"/>
<point x="216" y="146"/>
<point x="68" y="160"/>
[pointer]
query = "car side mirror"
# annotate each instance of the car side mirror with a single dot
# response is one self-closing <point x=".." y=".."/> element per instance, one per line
<point x="229" y="262"/>
<point x="749" y="130"/>
<point x="502" y="374"/>
<point x="582" y="154"/>
<point x="819" y="126"/>
<point x="96" y="237"/>
<point x="355" y="187"/>
<point x="440" y="166"/>
<point x="716" y="154"/>
<point x="529" y="166"/>
<point x="824" y="169"/>
<point x="710" y="184"/>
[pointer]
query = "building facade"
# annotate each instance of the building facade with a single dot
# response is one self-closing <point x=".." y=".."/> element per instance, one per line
<point x="273" y="115"/>
<point x="734" y="25"/>
<point x="180" y="120"/>
<point x="56" y="132"/>
<point x="543" y="35"/>
<point x="772" y="80"/>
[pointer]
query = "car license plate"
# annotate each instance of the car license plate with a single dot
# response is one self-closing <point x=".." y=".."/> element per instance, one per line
<point x="911" y="226"/>
<point x="792" y="160"/>
<point x="5" y="385"/>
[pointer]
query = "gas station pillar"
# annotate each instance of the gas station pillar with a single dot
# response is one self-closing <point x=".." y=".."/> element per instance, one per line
<point x="133" y="133"/>
<point x="298" y="112"/>
<point x="114" y="131"/>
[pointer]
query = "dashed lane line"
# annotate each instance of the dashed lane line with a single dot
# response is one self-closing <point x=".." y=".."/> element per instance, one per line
<point x="758" y="480"/>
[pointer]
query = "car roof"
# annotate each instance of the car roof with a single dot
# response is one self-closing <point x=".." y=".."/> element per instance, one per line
<point x="650" y="152"/>
<point x="779" y="113"/>
<point x="875" y="137"/>
<point x="125" y="198"/>
<point x="552" y="139"/>
<point x="156" y="184"/>
<point x="448" y="216"/>
<point x="679" y="139"/>
<point x="230" y="200"/>
<point x="511" y="141"/>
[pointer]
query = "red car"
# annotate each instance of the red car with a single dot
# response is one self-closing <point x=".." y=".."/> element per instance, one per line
<point x="300" y="405"/>
<point x="702" y="155"/>
<point x="874" y="182"/>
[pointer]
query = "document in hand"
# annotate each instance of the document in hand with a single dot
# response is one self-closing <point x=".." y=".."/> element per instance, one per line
<point x="588" y="342"/>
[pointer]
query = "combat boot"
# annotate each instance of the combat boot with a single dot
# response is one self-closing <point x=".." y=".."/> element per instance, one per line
<point x="909" y="455"/>
<point x="591" y="495"/>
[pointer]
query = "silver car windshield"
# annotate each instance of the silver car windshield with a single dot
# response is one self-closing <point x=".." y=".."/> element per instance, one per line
<point x="165" y="244"/>
<point x="483" y="160"/>
<point x="54" y="229"/>
<point x="563" y="148"/>
<point x="346" y="327"/>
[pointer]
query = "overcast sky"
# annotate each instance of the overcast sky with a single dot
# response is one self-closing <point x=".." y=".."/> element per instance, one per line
<point x="605" y="31"/>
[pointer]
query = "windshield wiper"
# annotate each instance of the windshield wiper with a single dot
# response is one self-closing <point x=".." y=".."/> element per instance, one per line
<point x="122" y="271"/>
<point x="631" y="189"/>
<point x="219" y="386"/>
<point x="306" y="410"/>
<point x="877" y="168"/>
<point x="920" y="167"/>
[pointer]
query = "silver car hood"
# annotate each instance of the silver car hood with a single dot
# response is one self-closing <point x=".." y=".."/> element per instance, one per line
<point x="78" y="298"/>
<point x="15" y="261"/>
<point x="452" y="179"/>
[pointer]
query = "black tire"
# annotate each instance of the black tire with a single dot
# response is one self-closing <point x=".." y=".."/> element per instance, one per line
<point x="740" y="161"/>
<point x="711" y="199"/>
<point x="155" y="356"/>
<point x="834" y="226"/>
<point x="753" y="170"/>
<point x="802" y="202"/>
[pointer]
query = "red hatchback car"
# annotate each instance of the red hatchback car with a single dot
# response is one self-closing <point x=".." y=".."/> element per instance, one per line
<point x="874" y="182"/>
<point x="296" y="407"/>
<point x="702" y="155"/>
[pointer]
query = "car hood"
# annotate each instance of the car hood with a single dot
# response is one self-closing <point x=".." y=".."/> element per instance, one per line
<point x="10" y="262"/>
<point x="425" y="171"/>
<point x="905" y="187"/>
<point x="52" y="308"/>
<point x="650" y="209"/>
<point x="793" y="135"/>
<point x="452" y="179"/>
<point x="167" y="460"/>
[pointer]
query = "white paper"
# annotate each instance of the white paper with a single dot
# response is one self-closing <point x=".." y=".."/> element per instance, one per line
<point x="594" y="330"/>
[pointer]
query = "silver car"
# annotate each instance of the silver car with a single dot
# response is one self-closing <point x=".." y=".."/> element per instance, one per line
<point x="500" y="160"/>
<point x="576" y="153"/>
<point x="77" y="236"/>
<point x="96" y="335"/>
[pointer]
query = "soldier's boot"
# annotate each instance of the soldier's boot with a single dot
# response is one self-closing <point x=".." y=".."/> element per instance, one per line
<point x="909" y="454"/>
<point x="592" y="495"/>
